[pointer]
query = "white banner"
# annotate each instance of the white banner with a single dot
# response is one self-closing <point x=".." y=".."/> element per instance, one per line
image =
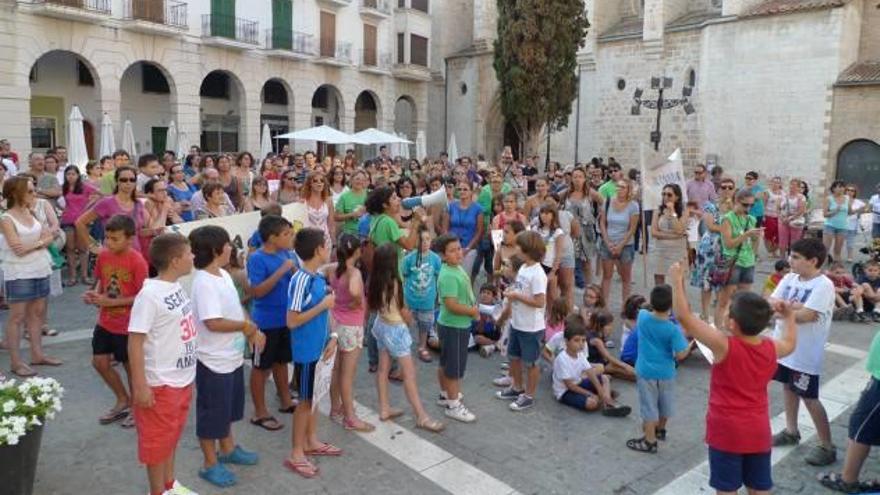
<point x="323" y="377"/>
<point x="656" y="173"/>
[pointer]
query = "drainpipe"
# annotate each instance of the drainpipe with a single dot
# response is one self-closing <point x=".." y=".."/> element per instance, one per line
<point x="577" y="118"/>
<point x="445" y="103"/>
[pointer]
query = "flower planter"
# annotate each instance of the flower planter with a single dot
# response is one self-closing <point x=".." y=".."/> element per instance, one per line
<point x="18" y="463"/>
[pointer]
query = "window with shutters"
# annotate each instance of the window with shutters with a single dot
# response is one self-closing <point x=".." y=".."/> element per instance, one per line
<point x="370" y="57"/>
<point x="328" y="34"/>
<point x="400" y="48"/>
<point x="418" y="50"/>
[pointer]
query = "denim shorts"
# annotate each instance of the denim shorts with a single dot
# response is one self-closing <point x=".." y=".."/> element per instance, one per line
<point x="729" y="471"/>
<point x="656" y="398"/>
<point x="864" y="423"/>
<point x="27" y="289"/>
<point x="424" y="322"/>
<point x="525" y="346"/>
<point x="829" y="230"/>
<point x="627" y="254"/>
<point x="392" y="337"/>
<point x="741" y="275"/>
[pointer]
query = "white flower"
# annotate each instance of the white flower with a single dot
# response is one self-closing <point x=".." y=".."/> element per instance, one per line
<point x="9" y="406"/>
<point x="29" y="402"/>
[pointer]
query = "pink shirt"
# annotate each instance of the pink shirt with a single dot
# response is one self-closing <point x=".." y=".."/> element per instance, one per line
<point x="75" y="204"/>
<point x="550" y="329"/>
<point x="342" y="311"/>
<point x="109" y="206"/>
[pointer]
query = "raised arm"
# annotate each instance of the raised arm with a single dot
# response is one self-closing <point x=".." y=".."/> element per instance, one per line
<point x="698" y="329"/>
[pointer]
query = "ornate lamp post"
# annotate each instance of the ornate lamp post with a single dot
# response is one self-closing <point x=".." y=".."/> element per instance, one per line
<point x="661" y="84"/>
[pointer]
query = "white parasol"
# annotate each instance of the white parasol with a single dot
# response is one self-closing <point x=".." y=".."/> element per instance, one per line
<point x="108" y="142"/>
<point x="323" y="134"/>
<point x="171" y="137"/>
<point x="77" y="154"/>
<point x="265" y="143"/>
<point x="128" y="143"/>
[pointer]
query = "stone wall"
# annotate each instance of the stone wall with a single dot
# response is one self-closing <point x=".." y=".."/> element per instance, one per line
<point x="855" y="116"/>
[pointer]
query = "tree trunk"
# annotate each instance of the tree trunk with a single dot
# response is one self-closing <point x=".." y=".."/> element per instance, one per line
<point x="530" y="137"/>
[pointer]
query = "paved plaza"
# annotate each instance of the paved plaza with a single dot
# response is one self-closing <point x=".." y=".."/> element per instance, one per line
<point x="547" y="449"/>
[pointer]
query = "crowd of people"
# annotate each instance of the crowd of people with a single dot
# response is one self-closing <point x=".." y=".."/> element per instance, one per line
<point x="493" y="269"/>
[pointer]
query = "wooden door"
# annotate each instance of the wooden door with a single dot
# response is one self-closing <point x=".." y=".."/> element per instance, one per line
<point x="282" y="24"/>
<point x="149" y="10"/>
<point x="370" y="45"/>
<point x="328" y="34"/>
<point x="223" y="18"/>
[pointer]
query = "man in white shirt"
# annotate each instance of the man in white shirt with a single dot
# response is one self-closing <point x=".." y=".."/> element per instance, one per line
<point x="875" y="209"/>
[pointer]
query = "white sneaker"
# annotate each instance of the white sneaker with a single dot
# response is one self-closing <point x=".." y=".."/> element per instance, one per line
<point x="179" y="489"/>
<point x="461" y="413"/>
<point x="503" y="381"/>
<point x="487" y="350"/>
<point x="443" y="401"/>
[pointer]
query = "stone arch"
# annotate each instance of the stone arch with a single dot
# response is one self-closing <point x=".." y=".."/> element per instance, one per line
<point x="405" y="115"/>
<point x="328" y="106"/>
<point x="858" y="162"/>
<point x="367" y="111"/>
<point x="222" y="103"/>
<point x="277" y="109"/>
<point x="148" y="97"/>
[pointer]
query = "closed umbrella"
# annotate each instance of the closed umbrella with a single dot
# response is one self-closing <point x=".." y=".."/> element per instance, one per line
<point x="182" y="146"/>
<point x="128" y="143"/>
<point x="265" y="142"/>
<point x="403" y="151"/>
<point x="453" y="149"/>
<point x="108" y="142"/>
<point x="171" y="136"/>
<point x="421" y="146"/>
<point x="77" y="154"/>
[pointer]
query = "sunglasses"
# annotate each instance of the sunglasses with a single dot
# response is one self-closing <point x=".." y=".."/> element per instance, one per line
<point x="727" y="188"/>
<point x="747" y="205"/>
<point x="126" y="180"/>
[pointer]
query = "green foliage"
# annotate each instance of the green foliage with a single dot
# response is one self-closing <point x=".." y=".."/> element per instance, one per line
<point x="26" y="404"/>
<point x="536" y="61"/>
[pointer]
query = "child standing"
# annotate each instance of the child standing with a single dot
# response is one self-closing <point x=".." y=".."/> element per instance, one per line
<point x="385" y="297"/>
<point x="162" y="359"/>
<point x="222" y="328"/>
<point x="527" y="297"/>
<point x="348" y="316"/>
<point x="457" y="310"/>
<point x="811" y="295"/>
<point x="120" y="272"/>
<point x="738" y="419"/>
<point x="308" y="305"/>
<point x="419" y="271"/>
<point x="660" y="344"/>
<point x="269" y="270"/>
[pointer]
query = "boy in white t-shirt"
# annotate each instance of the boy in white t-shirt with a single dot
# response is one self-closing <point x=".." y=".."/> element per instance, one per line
<point x="526" y="298"/>
<point x="222" y="329"/>
<point x="812" y="296"/>
<point x="162" y="360"/>
<point x="575" y="382"/>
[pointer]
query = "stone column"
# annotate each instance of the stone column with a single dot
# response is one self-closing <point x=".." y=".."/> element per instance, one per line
<point x="249" y="126"/>
<point x="16" y="110"/>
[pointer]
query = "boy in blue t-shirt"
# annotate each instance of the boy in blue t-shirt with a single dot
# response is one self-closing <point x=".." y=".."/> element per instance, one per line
<point x="256" y="241"/>
<point x="419" y="271"/>
<point x="308" y="303"/>
<point x="269" y="271"/>
<point x="660" y="344"/>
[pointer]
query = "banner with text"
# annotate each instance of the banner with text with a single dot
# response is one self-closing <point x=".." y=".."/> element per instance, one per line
<point x="656" y="173"/>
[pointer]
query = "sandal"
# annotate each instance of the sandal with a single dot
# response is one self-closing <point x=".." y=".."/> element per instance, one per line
<point x="303" y="468"/>
<point x="113" y="415"/>
<point x="393" y="413"/>
<point x="128" y="422"/>
<point x="425" y="355"/>
<point x="616" y="411"/>
<point x="661" y="434"/>
<point x="642" y="445"/>
<point x="372" y="368"/>
<point x="47" y="361"/>
<point x="49" y="332"/>
<point x="287" y="410"/>
<point x="325" y="450"/>
<point x="431" y="425"/>
<point x="269" y="423"/>
<point x="69" y="282"/>
<point x="23" y="371"/>
<point x="834" y="481"/>
<point x="395" y="376"/>
<point x="358" y="425"/>
<point x="337" y="416"/>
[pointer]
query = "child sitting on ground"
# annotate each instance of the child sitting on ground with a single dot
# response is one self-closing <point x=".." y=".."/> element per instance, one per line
<point x="870" y="284"/>
<point x="600" y="326"/>
<point x="780" y="269"/>
<point x="593" y="301"/>
<point x="575" y="382"/>
<point x="485" y="330"/>
<point x="660" y="344"/>
<point x="738" y="419"/>
<point x="629" y="342"/>
<point x="847" y="295"/>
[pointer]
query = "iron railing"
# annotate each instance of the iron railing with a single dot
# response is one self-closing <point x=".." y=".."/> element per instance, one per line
<point x="295" y="41"/>
<point x="343" y="52"/>
<point x="169" y="12"/>
<point x="383" y="6"/>
<point x="374" y="59"/>
<point x="97" y="6"/>
<point x="227" y="26"/>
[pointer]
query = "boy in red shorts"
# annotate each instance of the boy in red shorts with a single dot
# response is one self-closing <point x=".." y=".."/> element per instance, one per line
<point x="162" y="358"/>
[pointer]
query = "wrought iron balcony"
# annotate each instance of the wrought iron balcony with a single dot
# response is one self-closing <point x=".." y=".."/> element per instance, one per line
<point x="376" y="9"/>
<point x="340" y="54"/>
<point x="291" y="44"/>
<point x="371" y="60"/>
<point x="155" y="15"/>
<point x="80" y="10"/>
<point x="230" y="31"/>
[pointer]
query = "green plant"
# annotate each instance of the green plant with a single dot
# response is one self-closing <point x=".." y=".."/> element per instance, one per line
<point x="26" y="404"/>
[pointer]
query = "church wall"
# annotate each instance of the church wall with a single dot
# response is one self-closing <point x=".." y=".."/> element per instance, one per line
<point x="854" y="117"/>
<point x="869" y="48"/>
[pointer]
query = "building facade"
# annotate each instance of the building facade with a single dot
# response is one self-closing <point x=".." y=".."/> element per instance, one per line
<point x="786" y="87"/>
<point x="219" y="69"/>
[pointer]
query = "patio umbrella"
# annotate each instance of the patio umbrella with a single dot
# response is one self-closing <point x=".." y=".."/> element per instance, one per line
<point x="375" y="136"/>
<point x="128" y="143"/>
<point x="453" y="149"/>
<point x="108" y="142"/>
<point x="265" y="143"/>
<point x="182" y="146"/>
<point x="324" y="134"/>
<point x="77" y="154"/>
<point x="171" y="136"/>
<point x="421" y="145"/>
<point x="403" y="147"/>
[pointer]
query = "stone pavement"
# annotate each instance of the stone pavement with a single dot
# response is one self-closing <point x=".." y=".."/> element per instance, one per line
<point x="548" y="449"/>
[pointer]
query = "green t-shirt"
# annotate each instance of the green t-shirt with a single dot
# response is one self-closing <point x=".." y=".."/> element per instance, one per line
<point x="108" y="182"/>
<point x="608" y="189"/>
<point x="347" y="203"/>
<point x="873" y="364"/>
<point x="383" y="229"/>
<point x="454" y="282"/>
<point x="485" y="201"/>
<point x="738" y="225"/>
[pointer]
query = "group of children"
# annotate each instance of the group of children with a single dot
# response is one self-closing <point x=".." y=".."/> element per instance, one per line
<point x="303" y="310"/>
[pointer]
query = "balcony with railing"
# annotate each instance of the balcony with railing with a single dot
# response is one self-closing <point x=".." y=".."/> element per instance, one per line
<point x="77" y="10"/>
<point x="155" y="16"/>
<point x="335" y="3"/>
<point x="290" y="44"/>
<point x="375" y="9"/>
<point x="229" y="31"/>
<point x="370" y="60"/>
<point x="338" y="54"/>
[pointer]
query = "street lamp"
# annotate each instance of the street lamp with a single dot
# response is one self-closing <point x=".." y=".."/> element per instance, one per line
<point x="660" y="84"/>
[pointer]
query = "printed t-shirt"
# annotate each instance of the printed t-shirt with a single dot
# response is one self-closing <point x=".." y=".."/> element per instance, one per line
<point x="530" y="281"/>
<point x="121" y="275"/>
<point x="306" y="291"/>
<point x="659" y="340"/>
<point x="420" y="280"/>
<point x="816" y="294"/>
<point x="566" y="367"/>
<point x="216" y="297"/>
<point x="270" y="311"/>
<point x="347" y="203"/>
<point x="162" y="310"/>
<point x="454" y="282"/>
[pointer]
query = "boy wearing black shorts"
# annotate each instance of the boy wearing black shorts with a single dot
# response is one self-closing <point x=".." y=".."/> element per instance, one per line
<point x="120" y="272"/>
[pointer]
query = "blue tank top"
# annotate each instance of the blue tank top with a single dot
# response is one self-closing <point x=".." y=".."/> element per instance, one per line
<point x="838" y="220"/>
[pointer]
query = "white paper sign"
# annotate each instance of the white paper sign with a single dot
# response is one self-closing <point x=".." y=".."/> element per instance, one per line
<point x="497" y="238"/>
<point x="656" y="173"/>
<point x="323" y="376"/>
<point x="706" y="352"/>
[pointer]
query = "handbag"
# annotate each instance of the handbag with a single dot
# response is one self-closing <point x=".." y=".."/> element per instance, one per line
<point x="721" y="275"/>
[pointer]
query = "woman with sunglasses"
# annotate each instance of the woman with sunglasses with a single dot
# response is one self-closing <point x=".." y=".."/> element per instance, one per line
<point x="710" y="257"/>
<point x="836" y="208"/>
<point x="669" y="230"/>
<point x="406" y="188"/>
<point x="122" y="202"/>
<point x="739" y="239"/>
<point x="319" y="206"/>
<point x="288" y="191"/>
<point x="792" y="216"/>
<point x="618" y="219"/>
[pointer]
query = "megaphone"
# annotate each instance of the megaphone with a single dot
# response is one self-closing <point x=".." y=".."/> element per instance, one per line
<point x="436" y="198"/>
